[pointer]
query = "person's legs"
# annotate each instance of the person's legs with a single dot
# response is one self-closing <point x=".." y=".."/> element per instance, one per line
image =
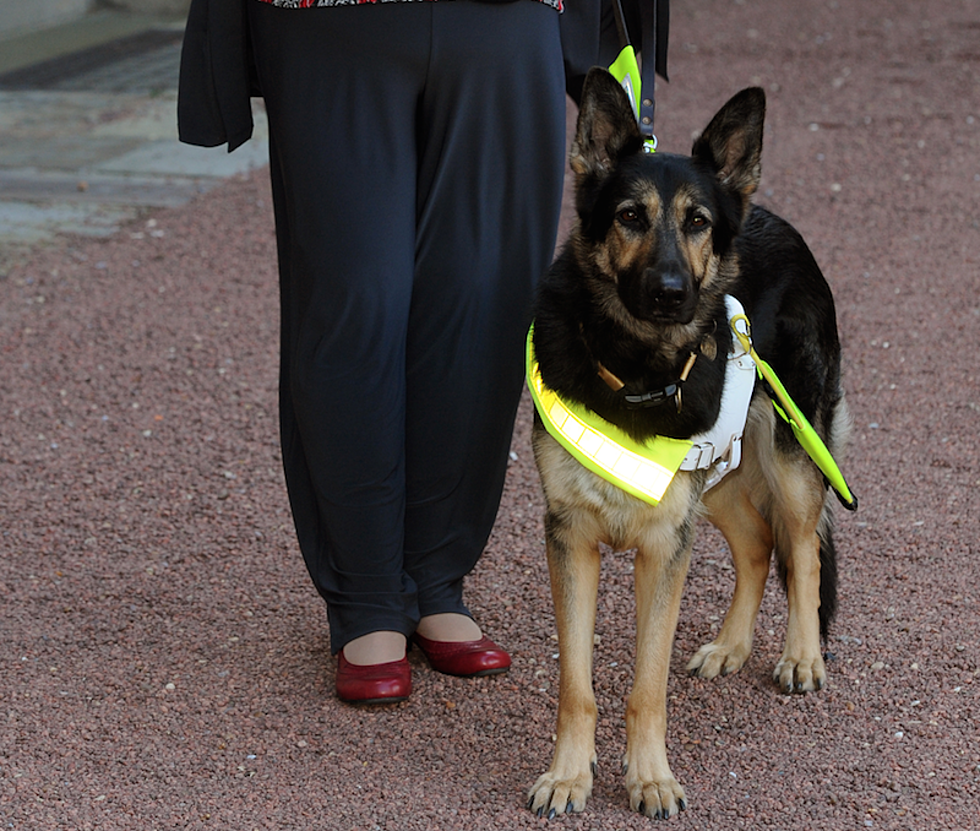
<point x="341" y="97"/>
<point x="491" y="162"/>
<point x="406" y="277"/>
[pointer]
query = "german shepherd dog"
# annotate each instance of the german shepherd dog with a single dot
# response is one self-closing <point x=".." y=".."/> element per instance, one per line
<point x="661" y="239"/>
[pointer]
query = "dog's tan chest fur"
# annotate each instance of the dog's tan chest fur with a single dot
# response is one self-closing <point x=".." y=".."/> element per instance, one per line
<point x="621" y="521"/>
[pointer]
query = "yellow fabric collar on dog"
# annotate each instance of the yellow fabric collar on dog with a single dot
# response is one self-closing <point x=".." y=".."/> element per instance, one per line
<point x="643" y="470"/>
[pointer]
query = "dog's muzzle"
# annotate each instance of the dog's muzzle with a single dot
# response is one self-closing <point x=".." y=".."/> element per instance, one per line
<point x="665" y="295"/>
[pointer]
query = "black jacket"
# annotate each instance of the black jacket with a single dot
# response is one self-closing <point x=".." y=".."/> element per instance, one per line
<point x="217" y="76"/>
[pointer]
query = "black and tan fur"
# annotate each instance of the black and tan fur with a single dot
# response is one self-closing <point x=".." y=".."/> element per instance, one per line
<point x="661" y="239"/>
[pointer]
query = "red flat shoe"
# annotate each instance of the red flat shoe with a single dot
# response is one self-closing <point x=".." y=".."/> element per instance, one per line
<point x="466" y="658"/>
<point x="373" y="683"/>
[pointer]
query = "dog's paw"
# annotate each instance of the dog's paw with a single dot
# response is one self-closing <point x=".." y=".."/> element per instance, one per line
<point x="657" y="799"/>
<point x="715" y="658"/>
<point x="555" y="793"/>
<point x="800" y="675"/>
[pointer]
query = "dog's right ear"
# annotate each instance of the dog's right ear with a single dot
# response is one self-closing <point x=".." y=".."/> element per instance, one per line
<point x="606" y="131"/>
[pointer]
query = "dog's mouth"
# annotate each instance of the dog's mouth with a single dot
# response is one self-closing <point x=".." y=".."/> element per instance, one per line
<point x="677" y="318"/>
<point x="661" y="298"/>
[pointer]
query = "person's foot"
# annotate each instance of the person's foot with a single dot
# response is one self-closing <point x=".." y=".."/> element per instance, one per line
<point x="454" y="644"/>
<point x="375" y="648"/>
<point x="373" y="669"/>
<point x="449" y="628"/>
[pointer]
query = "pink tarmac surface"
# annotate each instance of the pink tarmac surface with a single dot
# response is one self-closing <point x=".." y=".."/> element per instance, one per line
<point x="164" y="660"/>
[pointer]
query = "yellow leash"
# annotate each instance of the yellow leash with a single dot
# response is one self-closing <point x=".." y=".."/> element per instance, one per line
<point x="786" y="407"/>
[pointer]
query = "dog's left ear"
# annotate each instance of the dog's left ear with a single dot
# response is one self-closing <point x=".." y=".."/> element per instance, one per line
<point x="732" y="143"/>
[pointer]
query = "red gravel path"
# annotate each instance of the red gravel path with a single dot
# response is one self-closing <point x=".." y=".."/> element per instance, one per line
<point x="164" y="657"/>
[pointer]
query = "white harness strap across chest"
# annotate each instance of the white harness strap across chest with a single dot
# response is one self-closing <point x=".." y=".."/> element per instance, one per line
<point x="646" y="469"/>
<point x="720" y="448"/>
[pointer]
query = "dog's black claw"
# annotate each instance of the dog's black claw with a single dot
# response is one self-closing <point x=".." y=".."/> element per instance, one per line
<point x="682" y="805"/>
<point x="643" y="808"/>
<point x="541" y="812"/>
<point x="595" y="768"/>
<point x="552" y="814"/>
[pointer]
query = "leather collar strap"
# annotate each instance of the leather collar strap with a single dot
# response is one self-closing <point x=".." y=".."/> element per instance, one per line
<point x="655" y="17"/>
<point x="651" y="398"/>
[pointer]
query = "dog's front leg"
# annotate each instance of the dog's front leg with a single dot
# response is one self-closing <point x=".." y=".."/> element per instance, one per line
<point x="652" y="788"/>
<point x="574" y="566"/>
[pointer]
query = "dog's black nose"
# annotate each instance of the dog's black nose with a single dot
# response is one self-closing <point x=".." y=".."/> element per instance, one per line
<point x="668" y="291"/>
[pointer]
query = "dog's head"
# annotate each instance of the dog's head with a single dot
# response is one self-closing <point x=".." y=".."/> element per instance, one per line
<point x="657" y="229"/>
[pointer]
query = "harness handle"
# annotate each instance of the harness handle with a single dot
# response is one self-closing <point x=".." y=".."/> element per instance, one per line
<point x="640" y="87"/>
<point x="655" y="19"/>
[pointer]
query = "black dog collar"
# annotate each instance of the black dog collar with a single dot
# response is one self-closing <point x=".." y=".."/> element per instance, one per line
<point x="651" y="398"/>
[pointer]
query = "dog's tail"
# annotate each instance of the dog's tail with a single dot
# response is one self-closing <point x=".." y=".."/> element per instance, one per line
<point x="840" y="431"/>
<point x="828" y="569"/>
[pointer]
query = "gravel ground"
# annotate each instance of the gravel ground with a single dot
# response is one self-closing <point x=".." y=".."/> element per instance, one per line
<point x="164" y="658"/>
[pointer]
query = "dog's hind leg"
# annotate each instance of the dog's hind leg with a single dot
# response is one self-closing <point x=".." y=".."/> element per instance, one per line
<point x="797" y="516"/>
<point x="574" y="567"/>
<point x="660" y="574"/>
<point x="749" y="536"/>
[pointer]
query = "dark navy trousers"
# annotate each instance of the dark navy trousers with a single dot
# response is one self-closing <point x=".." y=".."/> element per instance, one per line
<point x="417" y="155"/>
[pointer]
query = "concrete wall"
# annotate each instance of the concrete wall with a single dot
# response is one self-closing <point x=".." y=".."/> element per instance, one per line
<point x="25" y="15"/>
<point x="151" y="7"/>
<point x="18" y="16"/>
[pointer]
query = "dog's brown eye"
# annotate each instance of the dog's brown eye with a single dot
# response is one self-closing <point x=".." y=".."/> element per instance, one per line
<point x="699" y="222"/>
<point x="628" y="215"/>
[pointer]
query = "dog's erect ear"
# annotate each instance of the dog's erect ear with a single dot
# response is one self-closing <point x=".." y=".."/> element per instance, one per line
<point x="732" y="143"/>
<point x="607" y="129"/>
